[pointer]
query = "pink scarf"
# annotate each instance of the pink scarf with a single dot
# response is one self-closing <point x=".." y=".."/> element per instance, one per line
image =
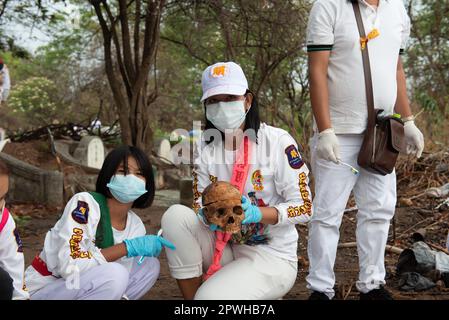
<point x="4" y="220"/>
<point x="238" y="180"/>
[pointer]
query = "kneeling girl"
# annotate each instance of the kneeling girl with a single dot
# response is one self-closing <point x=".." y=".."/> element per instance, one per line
<point x="94" y="250"/>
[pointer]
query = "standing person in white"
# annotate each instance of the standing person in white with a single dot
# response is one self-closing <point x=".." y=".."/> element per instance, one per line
<point x="338" y="97"/>
<point x="93" y="250"/>
<point x="12" y="262"/>
<point x="6" y="85"/>
<point x="261" y="262"/>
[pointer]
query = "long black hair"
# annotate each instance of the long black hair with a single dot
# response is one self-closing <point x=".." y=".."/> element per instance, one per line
<point x="112" y="162"/>
<point x="252" y="120"/>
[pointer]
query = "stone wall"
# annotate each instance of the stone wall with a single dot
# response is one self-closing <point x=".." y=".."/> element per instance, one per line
<point x="31" y="184"/>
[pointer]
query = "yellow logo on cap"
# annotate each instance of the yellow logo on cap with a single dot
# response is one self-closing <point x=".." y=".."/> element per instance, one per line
<point x="219" y="71"/>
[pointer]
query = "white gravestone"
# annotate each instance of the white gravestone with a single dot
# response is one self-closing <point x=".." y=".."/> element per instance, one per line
<point x="90" y="152"/>
<point x="164" y="151"/>
<point x="3" y="141"/>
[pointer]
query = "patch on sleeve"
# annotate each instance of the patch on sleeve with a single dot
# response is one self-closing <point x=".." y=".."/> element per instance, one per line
<point x="18" y="240"/>
<point x="81" y="212"/>
<point x="75" y="249"/>
<point x="293" y="156"/>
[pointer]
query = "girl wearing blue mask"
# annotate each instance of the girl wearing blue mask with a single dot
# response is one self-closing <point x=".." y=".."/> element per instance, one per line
<point x="93" y="251"/>
<point x="260" y="261"/>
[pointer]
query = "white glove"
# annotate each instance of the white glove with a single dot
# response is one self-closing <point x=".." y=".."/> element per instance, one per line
<point x="328" y="147"/>
<point x="414" y="139"/>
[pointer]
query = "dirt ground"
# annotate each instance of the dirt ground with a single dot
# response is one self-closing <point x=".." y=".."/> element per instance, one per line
<point x="35" y="220"/>
<point x="43" y="218"/>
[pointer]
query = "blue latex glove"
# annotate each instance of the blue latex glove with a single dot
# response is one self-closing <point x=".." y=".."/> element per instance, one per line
<point x="252" y="212"/>
<point x="212" y="227"/>
<point x="147" y="246"/>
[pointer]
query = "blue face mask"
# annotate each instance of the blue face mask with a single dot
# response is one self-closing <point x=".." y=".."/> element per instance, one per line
<point x="126" y="189"/>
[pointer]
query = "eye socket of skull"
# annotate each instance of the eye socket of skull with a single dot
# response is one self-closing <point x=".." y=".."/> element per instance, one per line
<point x="221" y="212"/>
<point x="238" y="210"/>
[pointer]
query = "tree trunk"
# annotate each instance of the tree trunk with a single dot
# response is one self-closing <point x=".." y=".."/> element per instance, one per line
<point x="129" y="70"/>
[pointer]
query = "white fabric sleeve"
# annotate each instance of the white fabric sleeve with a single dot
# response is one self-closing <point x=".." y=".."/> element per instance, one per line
<point x="76" y="230"/>
<point x="405" y="35"/>
<point x="11" y="258"/>
<point x="137" y="226"/>
<point x="320" y="27"/>
<point x="291" y="179"/>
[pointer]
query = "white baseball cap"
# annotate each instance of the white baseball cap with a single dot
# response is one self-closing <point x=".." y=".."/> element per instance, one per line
<point x="223" y="78"/>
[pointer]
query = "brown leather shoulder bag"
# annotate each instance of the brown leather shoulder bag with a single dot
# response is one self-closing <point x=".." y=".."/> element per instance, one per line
<point x="384" y="135"/>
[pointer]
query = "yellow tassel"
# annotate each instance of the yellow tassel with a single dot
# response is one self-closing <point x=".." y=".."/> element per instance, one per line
<point x="363" y="42"/>
<point x="373" y="34"/>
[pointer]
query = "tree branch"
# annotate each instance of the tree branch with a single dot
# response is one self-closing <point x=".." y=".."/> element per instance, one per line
<point x="126" y="41"/>
<point x="137" y="34"/>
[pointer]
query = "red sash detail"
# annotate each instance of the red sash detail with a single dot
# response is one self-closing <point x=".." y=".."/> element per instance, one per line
<point x="4" y="220"/>
<point x="238" y="180"/>
<point x="40" y="266"/>
<point x="241" y="166"/>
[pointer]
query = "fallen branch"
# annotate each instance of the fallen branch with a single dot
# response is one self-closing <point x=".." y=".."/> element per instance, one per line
<point x="349" y="291"/>
<point x="351" y="209"/>
<point x="406" y="232"/>
<point x="439" y="248"/>
<point x="388" y="248"/>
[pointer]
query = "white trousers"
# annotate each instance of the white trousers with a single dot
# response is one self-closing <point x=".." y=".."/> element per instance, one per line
<point x="5" y="95"/>
<point x="375" y="196"/>
<point x="247" y="273"/>
<point x="109" y="281"/>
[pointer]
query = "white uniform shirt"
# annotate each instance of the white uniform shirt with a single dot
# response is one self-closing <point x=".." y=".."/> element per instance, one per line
<point x="332" y="26"/>
<point x="277" y="177"/>
<point x="70" y="244"/>
<point x="11" y="257"/>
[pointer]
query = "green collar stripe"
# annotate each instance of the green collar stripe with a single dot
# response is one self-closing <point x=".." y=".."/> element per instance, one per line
<point x="104" y="237"/>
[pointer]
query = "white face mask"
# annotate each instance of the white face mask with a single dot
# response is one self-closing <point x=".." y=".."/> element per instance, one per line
<point x="226" y="115"/>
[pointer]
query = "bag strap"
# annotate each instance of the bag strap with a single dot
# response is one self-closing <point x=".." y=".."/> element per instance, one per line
<point x="104" y="237"/>
<point x="366" y="67"/>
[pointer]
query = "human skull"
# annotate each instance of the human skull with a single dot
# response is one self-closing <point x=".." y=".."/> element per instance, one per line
<point x="222" y="205"/>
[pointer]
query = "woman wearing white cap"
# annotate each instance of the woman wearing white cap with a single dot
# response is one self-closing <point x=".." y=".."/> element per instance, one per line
<point x="260" y="262"/>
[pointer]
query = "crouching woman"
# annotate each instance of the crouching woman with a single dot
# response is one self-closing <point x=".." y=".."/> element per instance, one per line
<point x="94" y="250"/>
<point x="259" y="261"/>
